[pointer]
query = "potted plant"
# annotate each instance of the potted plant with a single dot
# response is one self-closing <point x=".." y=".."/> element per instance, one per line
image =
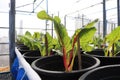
<point x="65" y="67"/>
<point x="31" y="52"/>
<point x="109" y="52"/>
<point x="108" y="72"/>
<point x="40" y="48"/>
<point x="29" y="41"/>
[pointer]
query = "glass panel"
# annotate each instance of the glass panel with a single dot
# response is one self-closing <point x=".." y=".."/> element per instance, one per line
<point x="4" y="33"/>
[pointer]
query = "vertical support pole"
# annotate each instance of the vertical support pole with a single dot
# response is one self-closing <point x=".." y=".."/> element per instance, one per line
<point x="12" y="32"/>
<point x="104" y="19"/>
<point x="58" y="14"/>
<point x="112" y="26"/>
<point x="118" y="11"/>
<point x="33" y="6"/>
<point x="46" y="22"/>
<point x="98" y="28"/>
<point x="65" y="20"/>
<point x="52" y="27"/>
<point x="82" y="20"/>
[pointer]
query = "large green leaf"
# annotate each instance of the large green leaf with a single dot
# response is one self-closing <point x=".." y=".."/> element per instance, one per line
<point x="114" y="35"/>
<point x="43" y="15"/>
<point x="112" y="38"/>
<point x="91" y="24"/>
<point x="62" y="33"/>
<point x="86" y="34"/>
<point x="86" y="47"/>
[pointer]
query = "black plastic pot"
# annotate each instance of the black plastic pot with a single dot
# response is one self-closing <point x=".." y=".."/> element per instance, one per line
<point x="19" y="44"/>
<point x="99" y="53"/>
<point x="23" y="49"/>
<point x="52" y="68"/>
<point x="110" y="72"/>
<point x="31" y="56"/>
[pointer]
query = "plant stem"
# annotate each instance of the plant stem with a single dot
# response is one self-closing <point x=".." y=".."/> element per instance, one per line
<point x="46" y="44"/>
<point x="112" y="49"/>
<point x="79" y="54"/>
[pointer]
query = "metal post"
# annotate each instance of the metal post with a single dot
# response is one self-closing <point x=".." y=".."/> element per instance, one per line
<point x="112" y="26"/>
<point x="82" y="20"/>
<point x="58" y="14"/>
<point x="118" y="11"/>
<point x="52" y="27"/>
<point x="104" y="19"/>
<point x="12" y="31"/>
<point x="47" y="12"/>
<point x="99" y="28"/>
<point x="65" y="20"/>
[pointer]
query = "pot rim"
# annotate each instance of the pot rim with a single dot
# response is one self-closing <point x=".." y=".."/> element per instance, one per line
<point x="96" y="69"/>
<point x="100" y="55"/>
<point x="61" y="72"/>
<point x="30" y="52"/>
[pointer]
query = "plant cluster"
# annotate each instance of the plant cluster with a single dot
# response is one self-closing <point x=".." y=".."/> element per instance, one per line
<point x="113" y="41"/>
<point x="39" y="41"/>
<point x="110" y="43"/>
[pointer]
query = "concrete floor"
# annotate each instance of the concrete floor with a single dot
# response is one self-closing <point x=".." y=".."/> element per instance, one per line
<point x="4" y="60"/>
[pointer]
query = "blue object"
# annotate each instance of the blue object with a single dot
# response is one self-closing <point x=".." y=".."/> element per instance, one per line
<point x="15" y="68"/>
<point x="21" y="75"/>
<point x="17" y="72"/>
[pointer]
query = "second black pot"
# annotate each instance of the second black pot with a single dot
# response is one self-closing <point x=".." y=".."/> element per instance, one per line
<point x="111" y="72"/>
<point x="31" y="56"/>
<point x="23" y="49"/>
<point x="105" y="60"/>
<point x="52" y="68"/>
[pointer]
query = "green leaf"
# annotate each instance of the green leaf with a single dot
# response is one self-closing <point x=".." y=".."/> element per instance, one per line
<point x="62" y="34"/>
<point x="86" y="47"/>
<point x="117" y="47"/>
<point x="114" y="35"/>
<point x="91" y="24"/>
<point x="27" y="33"/>
<point x="43" y="50"/>
<point x="86" y="34"/>
<point x="36" y="36"/>
<point x="43" y="15"/>
<point x="50" y="44"/>
<point x="111" y="38"/>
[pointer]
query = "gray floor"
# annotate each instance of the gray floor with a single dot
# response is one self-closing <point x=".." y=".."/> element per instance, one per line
<point x="4" y="60"/>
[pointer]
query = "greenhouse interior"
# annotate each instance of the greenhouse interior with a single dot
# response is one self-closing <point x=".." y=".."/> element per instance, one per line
<point x="59" y="40"/>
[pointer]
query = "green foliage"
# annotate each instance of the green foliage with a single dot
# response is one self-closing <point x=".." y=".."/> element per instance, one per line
<point x="117" y="48"/>
<point x="30" y="40"/>
<point x="112" y="39"/>
<point x="52" y="43"/>
<point x="97" y="42"/>
<point x="86" y="35"/>
<point x="37" y="42"/>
